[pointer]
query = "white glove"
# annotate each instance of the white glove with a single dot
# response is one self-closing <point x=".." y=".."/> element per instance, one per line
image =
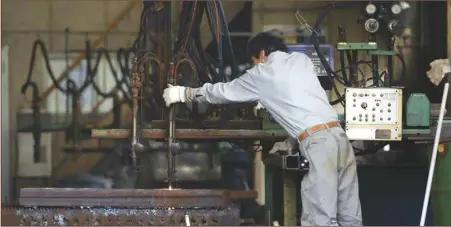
<point x="258" y="107"/>
<point x="284" y="146"/>
<point x="438" y="70"/>
<point x="174" y="94"/>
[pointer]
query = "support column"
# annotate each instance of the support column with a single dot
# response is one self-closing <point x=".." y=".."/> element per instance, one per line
<point x="289" y="199"/>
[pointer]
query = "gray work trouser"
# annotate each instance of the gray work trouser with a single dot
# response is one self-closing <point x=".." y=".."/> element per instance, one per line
<point x="330" y="190"/>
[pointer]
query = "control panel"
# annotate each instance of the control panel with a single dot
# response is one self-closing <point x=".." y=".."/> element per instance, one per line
<point x="309" y="50"/>
<point x="374" y="114"/>
<point x="326" y="50"/>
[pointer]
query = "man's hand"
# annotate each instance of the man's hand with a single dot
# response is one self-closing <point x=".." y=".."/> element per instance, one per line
<point x="174" y="94"/>
<point x="258" y="107"/>
<point x="285" y="146"/>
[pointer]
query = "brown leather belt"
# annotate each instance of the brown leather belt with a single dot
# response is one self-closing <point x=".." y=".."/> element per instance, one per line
<point x="317" y="128"/>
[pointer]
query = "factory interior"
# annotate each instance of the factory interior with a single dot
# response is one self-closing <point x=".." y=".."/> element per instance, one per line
<point x="87" y="138"/>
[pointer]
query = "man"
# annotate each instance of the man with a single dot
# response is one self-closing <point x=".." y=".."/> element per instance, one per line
<point x="288" y="87"/>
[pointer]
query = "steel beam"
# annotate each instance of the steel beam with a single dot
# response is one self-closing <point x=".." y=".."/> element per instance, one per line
<point x="189" y="134"/>
<point x="188" y="124"/>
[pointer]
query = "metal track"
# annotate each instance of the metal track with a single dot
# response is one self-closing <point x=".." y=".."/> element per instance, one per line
<point x="119" y="207"/>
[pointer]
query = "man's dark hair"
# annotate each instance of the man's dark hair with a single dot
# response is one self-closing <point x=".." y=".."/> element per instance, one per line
<point x="267" y="42"/>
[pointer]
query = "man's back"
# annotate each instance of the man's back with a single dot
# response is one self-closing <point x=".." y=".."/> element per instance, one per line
<point x="290" y="90"/>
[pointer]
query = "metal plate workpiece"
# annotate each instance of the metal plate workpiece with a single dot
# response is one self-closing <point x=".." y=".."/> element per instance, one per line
<point x="124" y="198"/>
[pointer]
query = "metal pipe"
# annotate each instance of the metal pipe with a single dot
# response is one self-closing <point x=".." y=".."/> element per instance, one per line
<point x="434" y="155"/>
<point x="190" y="134"/>
<point x="171" y="135"/>
<point x="137" y="74"/>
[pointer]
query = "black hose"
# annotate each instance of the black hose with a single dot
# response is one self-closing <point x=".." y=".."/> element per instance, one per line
<point x="36" y="125"/>
<point x="401" y="80"/>
<point x="235" y="69"/>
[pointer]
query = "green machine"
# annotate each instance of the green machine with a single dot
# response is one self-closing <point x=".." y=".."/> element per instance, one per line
<point x="418" y="114"/>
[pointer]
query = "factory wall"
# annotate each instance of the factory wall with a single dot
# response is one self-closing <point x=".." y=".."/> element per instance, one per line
<point x="24" y="21"/>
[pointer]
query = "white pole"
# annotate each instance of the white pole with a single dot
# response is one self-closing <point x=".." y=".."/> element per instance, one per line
<point x="434" y="154"/>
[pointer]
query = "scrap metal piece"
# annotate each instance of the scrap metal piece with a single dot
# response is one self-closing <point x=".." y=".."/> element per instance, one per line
<point x="125" y="198"/>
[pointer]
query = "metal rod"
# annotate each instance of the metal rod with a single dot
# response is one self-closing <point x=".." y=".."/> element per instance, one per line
<point x="434" y="155"/>
<point x="171" y="135"/>
<point x="172" y="151"/>
<point x="171" y="161"/>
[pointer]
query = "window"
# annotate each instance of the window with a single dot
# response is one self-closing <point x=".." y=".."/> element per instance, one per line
<point x="57" y="102"/>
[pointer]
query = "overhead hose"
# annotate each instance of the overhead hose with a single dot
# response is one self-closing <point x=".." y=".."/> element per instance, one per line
<point x="330" y="73"/>
<point x="123" y="59"/>
<point x="92" y="73"/>
<point x="209" y="71"/>
<point x="235" y="69"/>
<point x="29" y="83"/>
<point x="71" y="89"/>
<point x="39" y="44"/>
<point x="401" y="80"/>
<point x="36" y="125"/>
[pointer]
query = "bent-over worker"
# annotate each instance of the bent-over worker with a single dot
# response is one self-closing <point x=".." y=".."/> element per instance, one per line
<point x="288" y="87"/>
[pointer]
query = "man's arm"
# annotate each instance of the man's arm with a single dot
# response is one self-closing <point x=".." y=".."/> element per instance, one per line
<point x="241" y="89"/>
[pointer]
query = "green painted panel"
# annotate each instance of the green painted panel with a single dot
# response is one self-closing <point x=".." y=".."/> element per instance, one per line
<point x="441" y="189"/>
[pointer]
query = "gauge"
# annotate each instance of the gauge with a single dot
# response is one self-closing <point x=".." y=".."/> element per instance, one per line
<point x="370" y="9"/>
<point x="396" y="9"/>
<point x="404" y="5"/>
<point x="391" y="26"/>
<point x="371" y="25"/>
